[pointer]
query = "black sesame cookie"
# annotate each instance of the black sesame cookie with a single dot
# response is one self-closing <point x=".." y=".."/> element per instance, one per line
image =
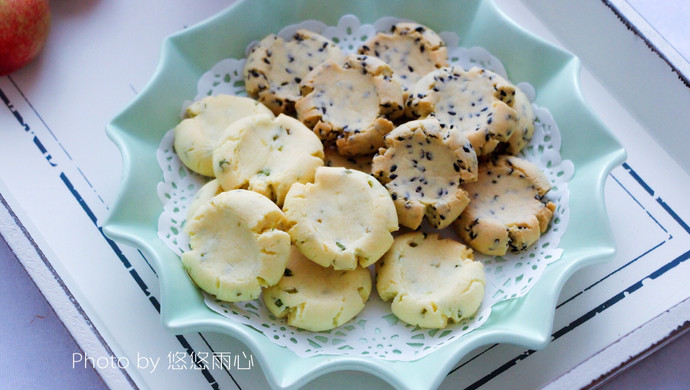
<point x="334" y="159"/>
<point x="351" y="103"/>
<point x="507" y="211"/>
<point x="205" y="121"/>
<point x="411" y="49"/>
<point x="238" y="245"/>
<point x="478" y="103"/>
<point x="275" y="67"/>
<point x="267" y="154"/>
<point x="422" y="167"/>
<point x="344" y="219"/>
<point x="430" y="280"/>
<point x="317" y="298"/>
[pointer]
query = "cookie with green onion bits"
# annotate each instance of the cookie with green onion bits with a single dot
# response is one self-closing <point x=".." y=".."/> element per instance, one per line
<point x="430" y="281"/>
<point x="344" y="219"/>
<point x="238" y="245"/>
<point x="317" y="298"/>
<point x="204" y="125"/>
<point x="267" y="155"/>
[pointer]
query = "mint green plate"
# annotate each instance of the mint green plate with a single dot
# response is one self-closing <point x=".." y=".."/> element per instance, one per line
<point x="554" y="73"/>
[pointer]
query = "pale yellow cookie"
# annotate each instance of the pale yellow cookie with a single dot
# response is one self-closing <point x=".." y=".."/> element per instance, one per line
<point x="422" y="167"/>
<point x="507" y="210"/>
<point x="343" y="219"/>
<point x="411" y="49"/>
<point x="267" y="155"/>
<point x="275" y="67"/>
<point x="352" y="103"/>
<point x="206" y="121"/>
<point x="431" y="280"/>
<point x="238" y="245"/>
<point x="477" y="103"/>
<point x="317" y="298"/>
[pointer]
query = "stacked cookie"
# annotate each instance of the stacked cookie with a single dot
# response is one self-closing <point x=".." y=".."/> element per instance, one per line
<point x="333" y="153"/>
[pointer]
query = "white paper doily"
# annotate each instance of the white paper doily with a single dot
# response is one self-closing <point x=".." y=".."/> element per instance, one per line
<point x="376" y="331"/>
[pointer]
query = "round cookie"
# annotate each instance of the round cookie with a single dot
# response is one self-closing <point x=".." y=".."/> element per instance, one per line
<point x="422" y="167"/>
<point x="334" y="159"/>
<point x="343" y="219"/>
<point x="317" y="298"/>
<point x="275" y="67"/>
<point x="267" y="155"/>
<point x="206" y="120"/>
<point x="238" y="245"/>
<point x="352" y="103"/>
<point x="506" y="211"/>
<point x="411" y="49"/>
<point x="478" y="103"/>
<point x="430" y="280"/>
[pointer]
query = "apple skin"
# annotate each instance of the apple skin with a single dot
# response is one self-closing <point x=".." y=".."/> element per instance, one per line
<point x="24" y="26"/>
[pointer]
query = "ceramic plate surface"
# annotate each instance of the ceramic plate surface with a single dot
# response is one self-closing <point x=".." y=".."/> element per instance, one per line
<point x="554" y="73"/>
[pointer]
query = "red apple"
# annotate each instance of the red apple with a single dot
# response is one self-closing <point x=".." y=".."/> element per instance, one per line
<point x="24" y="26"/>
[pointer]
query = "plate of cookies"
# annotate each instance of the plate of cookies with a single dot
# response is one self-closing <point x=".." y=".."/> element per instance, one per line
<point x="370" y="186"/>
